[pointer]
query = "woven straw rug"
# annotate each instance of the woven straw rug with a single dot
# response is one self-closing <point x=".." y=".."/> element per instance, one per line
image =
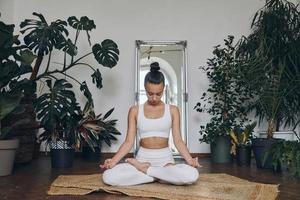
<point x="208" y="186"/>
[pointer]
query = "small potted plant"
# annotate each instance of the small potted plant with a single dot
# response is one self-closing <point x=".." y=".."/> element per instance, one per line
<point x="67" y="127"/>
<point x="91" y="130"/>
<point x="241" y="143"/>
<point x="285" y="157"/>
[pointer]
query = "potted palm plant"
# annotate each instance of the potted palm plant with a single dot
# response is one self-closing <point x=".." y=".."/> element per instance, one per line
<point x="270" y="69"/>
<point x="241" y="140"/>
<point x="223" y="101"/>
<point x="15" y="61"/>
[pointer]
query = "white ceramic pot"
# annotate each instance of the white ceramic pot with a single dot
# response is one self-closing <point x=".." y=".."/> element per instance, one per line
<point x="287" y="135"/>
<point x="7" y="155"/>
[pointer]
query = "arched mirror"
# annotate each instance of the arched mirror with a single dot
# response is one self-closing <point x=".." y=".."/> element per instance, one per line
<point x="171" y="56"/>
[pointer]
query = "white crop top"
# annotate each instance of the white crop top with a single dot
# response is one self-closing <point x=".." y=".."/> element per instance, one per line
<point x="158" y="127"/>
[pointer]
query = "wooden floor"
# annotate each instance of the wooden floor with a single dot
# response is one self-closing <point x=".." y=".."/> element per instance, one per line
<point x="31" y="181"/>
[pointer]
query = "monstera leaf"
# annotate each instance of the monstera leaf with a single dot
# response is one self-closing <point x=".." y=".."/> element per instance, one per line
<point x="106" y="53"/>
<point x="83" y="24"/>
<point x="42" y="37"/>
<point x="57" y="106"/>
<point x="68" y="47"/>
<point x="97" y="78"/>
<point x="84" y="88"/>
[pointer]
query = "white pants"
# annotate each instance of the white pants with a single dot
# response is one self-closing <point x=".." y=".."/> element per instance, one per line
<point x="125" y="174"/>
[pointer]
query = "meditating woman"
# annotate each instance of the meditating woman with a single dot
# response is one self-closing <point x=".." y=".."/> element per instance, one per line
<point x="154" y="161"/>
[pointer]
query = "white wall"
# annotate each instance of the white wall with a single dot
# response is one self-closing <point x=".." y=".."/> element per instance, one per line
<point x="203" y="23"/>
<point x="7" y="11"/>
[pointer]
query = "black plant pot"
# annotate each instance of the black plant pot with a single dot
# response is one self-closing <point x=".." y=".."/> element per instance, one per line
<point x="260" y="146"/>
<point x="62" y="158"/>
<point x="89" y="154"/>
<point x="220" y="150"/>
<point x="243" y="155"/>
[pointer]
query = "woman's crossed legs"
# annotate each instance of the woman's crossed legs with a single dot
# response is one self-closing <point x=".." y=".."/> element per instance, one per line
<point x="134" y="172"/>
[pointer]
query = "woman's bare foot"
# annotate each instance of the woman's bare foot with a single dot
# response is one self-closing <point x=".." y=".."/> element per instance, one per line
<point x="141" y="166"/>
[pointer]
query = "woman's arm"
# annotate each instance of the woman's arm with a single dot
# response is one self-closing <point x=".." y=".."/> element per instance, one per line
<point x="180" y="145"/>
<point x="129" y="141"/>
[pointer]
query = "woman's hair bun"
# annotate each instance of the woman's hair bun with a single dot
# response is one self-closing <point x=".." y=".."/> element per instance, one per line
<point x="154" y="67"/>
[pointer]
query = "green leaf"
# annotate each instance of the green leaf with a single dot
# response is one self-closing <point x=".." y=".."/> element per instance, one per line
<point x="8" y="102"/>
<point x="106" y="53"/>
<point x="86" y="92"/>
<point x="108" y="113"/>
<point x="83" y="24"/>
<point x="27" y="57"/>
<point x="42" y="37"/>
<point x="97" y="78"/>
<point x="67" y="46"/>
<point x="5" y="131"/>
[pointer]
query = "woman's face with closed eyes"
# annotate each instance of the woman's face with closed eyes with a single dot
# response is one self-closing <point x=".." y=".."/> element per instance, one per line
<point x="154" y="92"/>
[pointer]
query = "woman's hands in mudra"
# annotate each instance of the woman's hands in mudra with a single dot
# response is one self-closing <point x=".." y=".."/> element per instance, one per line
<point x="194" y="162"/>
<point x="108" y="164"/>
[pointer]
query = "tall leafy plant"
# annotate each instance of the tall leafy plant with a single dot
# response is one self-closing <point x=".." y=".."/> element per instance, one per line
<point x="15" y="60"/>
<point x="271" y="64"/>
<point x="58" y="109"/>
<point x="43" y="38"/>
<point x="224" y="97"/>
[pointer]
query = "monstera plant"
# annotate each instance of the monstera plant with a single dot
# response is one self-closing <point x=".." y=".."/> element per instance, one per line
<point x="45" y="39"/>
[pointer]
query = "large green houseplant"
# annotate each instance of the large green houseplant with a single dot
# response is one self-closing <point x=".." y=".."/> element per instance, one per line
<point x="58" y="109"/>
<point x="271" y="66"/>
<point x="43" y="39"/>
<point x="14" y="62"/>
<point x="223" y="100"/>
